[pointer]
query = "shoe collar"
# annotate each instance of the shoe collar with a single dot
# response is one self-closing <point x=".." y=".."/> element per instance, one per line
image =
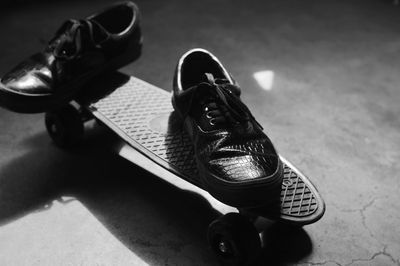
<point x="178" y="81"/>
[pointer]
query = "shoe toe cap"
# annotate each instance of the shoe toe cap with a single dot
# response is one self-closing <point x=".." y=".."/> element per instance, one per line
<point x="244" y="168"/>
<point x="28" y="79"/>
<point x="27" y="84"/>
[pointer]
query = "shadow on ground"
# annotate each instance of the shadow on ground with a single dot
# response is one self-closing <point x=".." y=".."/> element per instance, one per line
<point x="119" y="194"/>
<point x="285" y="245"/>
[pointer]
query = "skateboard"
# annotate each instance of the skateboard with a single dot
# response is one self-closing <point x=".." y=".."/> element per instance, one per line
<point x="141" y="114"/>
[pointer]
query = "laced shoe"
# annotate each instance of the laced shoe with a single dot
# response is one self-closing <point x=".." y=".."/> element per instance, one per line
<point x="237" y="162"/>
<point x="79" y="51"/>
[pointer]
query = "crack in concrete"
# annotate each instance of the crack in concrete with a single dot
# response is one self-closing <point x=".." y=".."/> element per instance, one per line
<point x="363" y="218"/>
<point x="361" y="212"/>
<point x="364" y="208"/>
<point x="376" y="254"/>
<point x="383" y="252"/>
<point x="323" y="262"/>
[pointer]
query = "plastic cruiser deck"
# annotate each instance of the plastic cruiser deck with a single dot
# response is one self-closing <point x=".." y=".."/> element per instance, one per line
<point x="142" y="115"/>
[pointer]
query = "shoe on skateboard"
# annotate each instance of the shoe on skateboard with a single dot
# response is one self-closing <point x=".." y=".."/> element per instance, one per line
<point x="236" y="160"/>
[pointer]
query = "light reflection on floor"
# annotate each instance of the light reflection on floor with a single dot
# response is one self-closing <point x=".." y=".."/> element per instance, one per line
<point x="43" y="232"/>
<point x="265" y="79"/>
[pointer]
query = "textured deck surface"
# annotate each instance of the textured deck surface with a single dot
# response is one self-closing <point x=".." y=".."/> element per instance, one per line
<point x="143" y="115"/>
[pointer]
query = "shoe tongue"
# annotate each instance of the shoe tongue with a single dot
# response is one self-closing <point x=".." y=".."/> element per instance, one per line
<point x="90" y="29"/>
<point x="206" y="89"/>
<point x="98" y="33"/>
<point x="210" y="79"/>
<point x="203" y="90"/>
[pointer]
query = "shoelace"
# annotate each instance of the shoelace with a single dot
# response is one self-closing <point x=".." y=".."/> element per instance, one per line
<point x="67" y="42"/>
<point x="223" y="106"/>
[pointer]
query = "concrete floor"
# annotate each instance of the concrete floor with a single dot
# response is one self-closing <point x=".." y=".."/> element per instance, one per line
<point x="333" y="110"/>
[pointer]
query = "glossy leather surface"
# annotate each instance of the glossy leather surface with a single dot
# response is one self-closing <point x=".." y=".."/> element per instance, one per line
<point x="233" y="159"/>
<point x="43" y="74"/>
<point x="235" y="152"/>
<point x="79" y="50"/>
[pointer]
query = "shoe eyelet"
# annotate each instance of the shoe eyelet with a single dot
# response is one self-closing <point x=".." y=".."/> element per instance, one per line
<point x="208" y="115"/>
<point x="212" y="121"/>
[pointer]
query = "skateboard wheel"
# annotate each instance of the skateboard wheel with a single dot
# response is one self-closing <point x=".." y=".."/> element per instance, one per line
<point x="234" y="239"/>
<point x="65" y="126"/>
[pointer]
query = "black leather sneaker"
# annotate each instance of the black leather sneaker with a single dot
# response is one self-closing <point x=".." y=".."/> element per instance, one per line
<point x="80" y="50"/>
<point x="237" y="162"/>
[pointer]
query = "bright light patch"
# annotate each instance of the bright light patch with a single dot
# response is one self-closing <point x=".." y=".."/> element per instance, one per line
<point x="265" y="79"/>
